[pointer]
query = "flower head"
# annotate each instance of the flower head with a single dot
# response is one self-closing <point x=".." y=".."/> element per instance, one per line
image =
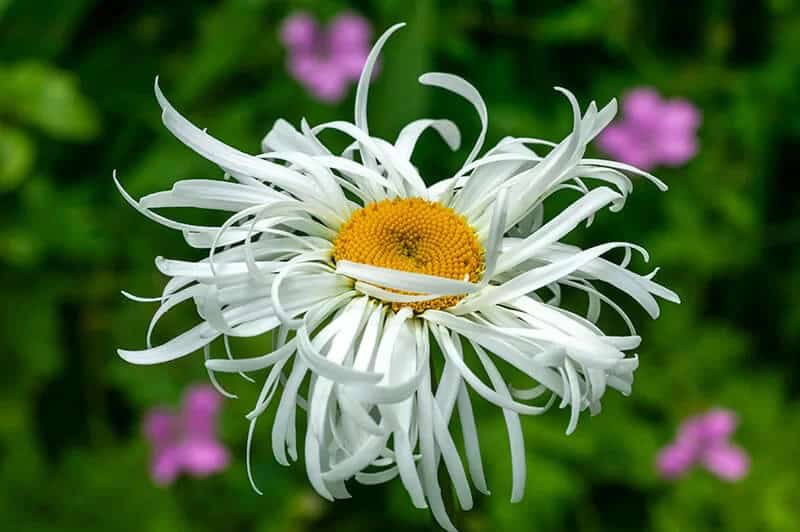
<point x="326" y="60"/>
<point x="356" y="268"/>
<point x="653" y="131"/>
<point x="186" y="441"/>
<point x="704" y="440"/>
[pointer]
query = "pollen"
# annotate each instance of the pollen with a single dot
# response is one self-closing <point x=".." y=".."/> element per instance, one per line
<point x="413" y="235"/>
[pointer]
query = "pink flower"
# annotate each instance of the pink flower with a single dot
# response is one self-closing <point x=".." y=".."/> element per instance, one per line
<point x="186" y="441"/>
<point x="326" y="60"/>
<point x="704" y="440"/>
<point x="652" y="131"/>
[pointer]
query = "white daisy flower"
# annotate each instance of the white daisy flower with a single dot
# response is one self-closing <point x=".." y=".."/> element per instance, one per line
<point x="357" y="269"/>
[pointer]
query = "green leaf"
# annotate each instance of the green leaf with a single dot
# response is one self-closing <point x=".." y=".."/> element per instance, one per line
<point x="16" y="157"/>
<point x="48" y="98"/>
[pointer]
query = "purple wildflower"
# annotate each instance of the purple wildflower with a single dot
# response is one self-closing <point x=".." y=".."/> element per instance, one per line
<point x="652" y="131"/>
<point x="704" y="440"/>
<point x="326" y="60"/>
<point x="186" y="441"/>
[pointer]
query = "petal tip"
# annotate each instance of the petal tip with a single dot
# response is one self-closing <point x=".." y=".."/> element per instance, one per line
<point x="127" y="355"/>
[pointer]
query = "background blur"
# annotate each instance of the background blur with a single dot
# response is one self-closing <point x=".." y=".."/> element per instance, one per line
<point x="76" y="102"/>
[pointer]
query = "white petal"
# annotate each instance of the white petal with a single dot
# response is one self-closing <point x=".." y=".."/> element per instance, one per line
<point x="628" y="168"/>
<point x="381" y="477"/>
<point x="574" y="396"/>
<point x="209" y="194"/>
<point x="401" y="280"/>
<point x="495" y="342"/>
<point x="471" y="443"/>
<point x="254" y="363"/>
<point x="557" y="228"/>
<point x="180" y="346"/>
<point x="409" y="135"/>
<point x="331" y="369"/>
<point x="451" y="459"/>
<point x="166" y="222"/>
<point x="283" y="416"/>
<point x="334" y="196"/>
<point x="503" y="401"/>
<point x="538" y="277"/>
<point x="360" y="460"/>
<point x="513" y="427"/>
<point x="362" y="90"/>
<point x="313" y="466"/>
<point x="428" y="450"/>
<point x="386" y="295"/>
<point x="467" y="91"/>
<point x="407" y="469"/>
<point x="284" y="137"/>
<point x="495" y="237"/>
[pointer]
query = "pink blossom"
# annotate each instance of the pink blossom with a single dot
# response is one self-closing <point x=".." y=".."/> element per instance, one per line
<point x="326" y="61"/>
<point x="186" y="441"/>
<point x="704" y="440"/>
<point x="652" y="131"/>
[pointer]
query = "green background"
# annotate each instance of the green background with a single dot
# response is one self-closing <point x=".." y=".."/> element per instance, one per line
<point x="76" y="102"/>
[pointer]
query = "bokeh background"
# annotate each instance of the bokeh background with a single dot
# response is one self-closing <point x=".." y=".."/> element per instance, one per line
<point x="76" y="102"/>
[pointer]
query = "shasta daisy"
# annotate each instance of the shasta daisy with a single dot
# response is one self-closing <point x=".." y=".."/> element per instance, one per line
<point x="357" y="270"/>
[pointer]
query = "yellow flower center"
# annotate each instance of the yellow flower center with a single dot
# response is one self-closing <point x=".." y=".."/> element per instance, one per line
<point x="412" y="235"/>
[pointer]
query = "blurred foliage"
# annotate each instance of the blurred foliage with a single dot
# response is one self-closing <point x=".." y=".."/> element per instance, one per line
<point x="76" y="102"/>
<point x="44" y="98"/>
